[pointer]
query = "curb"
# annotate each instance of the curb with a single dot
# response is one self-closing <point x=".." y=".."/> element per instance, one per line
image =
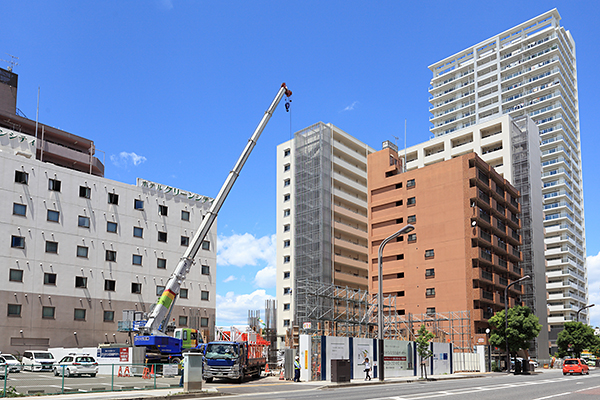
<point x="408" y="380"/>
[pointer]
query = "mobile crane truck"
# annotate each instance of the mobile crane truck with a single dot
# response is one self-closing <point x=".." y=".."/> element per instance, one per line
<point x="152" y="335"/>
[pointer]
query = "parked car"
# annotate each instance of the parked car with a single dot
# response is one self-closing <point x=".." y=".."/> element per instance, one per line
<point x="76" y="364"/>
<point x="575" y="366"/>
<point x="37" y="360"/>
<point x="12" y="363"/>
<point x="532" y="363"/>
<point x="2" y="367"/>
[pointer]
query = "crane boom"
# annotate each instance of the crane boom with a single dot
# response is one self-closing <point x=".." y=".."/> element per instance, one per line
<point x="167" y="299"/>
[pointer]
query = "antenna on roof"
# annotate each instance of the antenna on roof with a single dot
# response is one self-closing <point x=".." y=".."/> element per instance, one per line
<point x="13" y="62"/>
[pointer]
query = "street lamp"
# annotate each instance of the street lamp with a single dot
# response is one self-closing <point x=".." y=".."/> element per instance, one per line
<point x="506" y="319"/>
<point x="583" y="308"/>
<point x="406" y="229"/>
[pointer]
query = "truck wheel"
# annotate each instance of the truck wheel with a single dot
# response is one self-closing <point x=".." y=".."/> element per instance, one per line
<point x="175" y="360"/>
<point x="209" y="380"/>
<point x="241" y="378"/>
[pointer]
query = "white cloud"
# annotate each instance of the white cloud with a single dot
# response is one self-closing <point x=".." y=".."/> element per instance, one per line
<point x="593" y="273"/>
<point x="123" y="159"/>
<point x="230" y="278"/>
<point x="350" y="107"/>
<point x="265" y="278"/>
<point x="240" y="250"/>
<point x="233" y="309"/>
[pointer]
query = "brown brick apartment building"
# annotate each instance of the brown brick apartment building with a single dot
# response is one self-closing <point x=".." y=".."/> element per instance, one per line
<point x="465" y="246"/>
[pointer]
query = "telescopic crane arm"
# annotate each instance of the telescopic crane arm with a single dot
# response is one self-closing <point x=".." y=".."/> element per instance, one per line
<point x="167" y="299"/>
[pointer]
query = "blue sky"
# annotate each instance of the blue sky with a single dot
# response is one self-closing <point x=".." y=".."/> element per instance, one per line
<point x="170" y="91"/>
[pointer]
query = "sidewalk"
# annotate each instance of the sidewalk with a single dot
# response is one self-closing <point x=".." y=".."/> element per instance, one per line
<point x="177" y="393"/>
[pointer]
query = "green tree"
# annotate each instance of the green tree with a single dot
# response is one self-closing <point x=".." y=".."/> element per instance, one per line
<point x="576" y="337"/>
<point x="523" y="327"/>
<point x="423" y="339"/>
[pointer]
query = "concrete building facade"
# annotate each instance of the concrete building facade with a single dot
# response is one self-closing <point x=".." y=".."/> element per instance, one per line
<point x="464" y="249"/>
<point x="79" y="249"/>
<point x="529" y="70"/>
<point x="321" y="218"/>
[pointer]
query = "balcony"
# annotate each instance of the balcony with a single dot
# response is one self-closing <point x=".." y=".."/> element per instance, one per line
<point x="352" y="280"/>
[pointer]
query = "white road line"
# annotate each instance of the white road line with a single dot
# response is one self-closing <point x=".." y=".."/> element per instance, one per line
<point x="554" y="395"/>
<point x="590" y="388"/>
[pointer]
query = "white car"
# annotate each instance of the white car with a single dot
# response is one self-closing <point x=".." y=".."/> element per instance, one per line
<point x="76" y="364"/>
<point x="12" y="363"/>
<point x="2" y="367"/>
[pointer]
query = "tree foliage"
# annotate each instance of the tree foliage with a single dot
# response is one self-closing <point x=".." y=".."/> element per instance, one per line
<point x="423" y="339"/>
<point x="523" y="327"/>
<point x="576" y="337"/>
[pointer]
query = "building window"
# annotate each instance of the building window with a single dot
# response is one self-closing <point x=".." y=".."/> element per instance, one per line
<point x="286" y="152"/>
<point x="136" y="288"/>
<point x="286" y="275"/>
<point x="14" y="310"/>
<point x="286" y="182"/>
<point x="286" y="197"/>
<point x="286" y="259"/>
<point x="430" y="292"/>
<point x="411" y="219"/>
<point x="429" y="253"/>
<point x="51" y="247"/>
<point x="113" y="198"/>
<point x="411" y="201"/>
<point x="430" y="310"/>
<point x="286" y="322"/>
<point x="203" y="295"/>
<point x="138" y="204"/>
<point x="159" y="290"/>
<point x="138" y="232"/>
<point x="183" y="293"/>
<point x="19" y="209"/>
<point x="109" y="316"/>
<point x="400" y="294"/>
<point x="84" y="222"/>
<point x="286" y="213"/>
<point x="412" y="237"/>
<point x="137" y="259"/>
<point x="161" y="263"/>
<point x="286" y="167"/>
<point x="286" y="243"/>
<point x="185" y="215"/>
<point x="82" y="251"/>
<point x="286" y="306"/>
<point x="206" y="245"/>
<point x="15" y="275"/>
<point x="183" y="320"/>
<point x="52" y="216"/>
<point x="85" y="192"/>
<point x="287" y="290"/>
<point x="163" y="210"/>
<point x="110" y="285"/>
<point x="111" y="255"/>
<point x="185" y="241"/>
<point x="430" y="272"/>
<point x="410" y="183"/>
<point x="286" y="228"/>
<point x="162" y="236"/>
<point x="79" y="314"/>
<point x="17" y="242"/>
<point x="111" y="227"/>
<point x="21" y="177"/>
<point x="204" y="322"/>
<point x="81" y="282"/>
<point x="49" y="279"/>
<point x="205" y="270"/>
<point x="48" y="312"/>
<point x="54" y="185"/>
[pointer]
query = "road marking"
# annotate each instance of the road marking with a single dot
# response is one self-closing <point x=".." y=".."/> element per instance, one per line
<point x="554" y="395"/>
<point x="590" y="388"/>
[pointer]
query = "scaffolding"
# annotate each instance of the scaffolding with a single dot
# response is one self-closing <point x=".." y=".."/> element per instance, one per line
<point x="353" y="312"/>
<point x="312" y="213"/>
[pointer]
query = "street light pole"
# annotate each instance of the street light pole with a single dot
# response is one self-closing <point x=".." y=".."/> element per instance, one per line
<point x="406" y="229"/>
<point x="583" y="308"/>
<point x="506" y="319"/>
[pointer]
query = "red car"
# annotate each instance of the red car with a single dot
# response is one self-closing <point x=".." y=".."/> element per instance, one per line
<point x="575" y="366"/>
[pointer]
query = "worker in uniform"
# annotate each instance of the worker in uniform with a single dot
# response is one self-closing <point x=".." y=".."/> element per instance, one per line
<point x="182" y="368"/>
<point x="297" y="369"/>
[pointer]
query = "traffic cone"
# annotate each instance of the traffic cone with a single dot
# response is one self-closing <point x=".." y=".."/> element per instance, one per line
<point x="120" y="371"/>
<point x="281" y="378"/>
<point x="267" y="370"/>
<point x="152" y="371"/>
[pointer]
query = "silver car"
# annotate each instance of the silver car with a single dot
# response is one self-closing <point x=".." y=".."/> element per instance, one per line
<point x="2" y="367"/>
<point x="76" y="364"/>
<point x="12" y="363"/>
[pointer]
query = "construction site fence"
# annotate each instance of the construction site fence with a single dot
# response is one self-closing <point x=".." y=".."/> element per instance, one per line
<point x="110" y="378"/>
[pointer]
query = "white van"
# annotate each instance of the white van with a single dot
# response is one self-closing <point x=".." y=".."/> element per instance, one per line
<point x="37" y="360"/>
